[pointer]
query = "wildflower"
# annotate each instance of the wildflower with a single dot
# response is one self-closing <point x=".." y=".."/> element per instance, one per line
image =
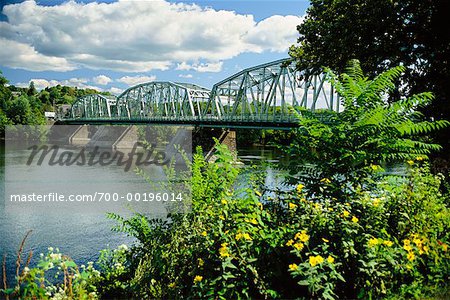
<point x="325" y="240"/>
<point x="410" y="162"/>
<point x="200" y="262"/>
<point x="292" y="206"/>
<point x="224" y="202"/>
<point x="258" y="193"/>
<point x="418" y="242"/>
<point x="198" y="278"/>
<point x="330" y="259"/>
<point x="444" y="247"/>
<point x="293" y="267"/>
<point x="411" y="256"/>
<point x="222" y="217"/>
<point x="355" y="219"/>
<point x="290" y="243"/>
<point x="388" y="243"/>
<point x="172" y="285"/>
<point x="252" y="221"/>
<point x="299" y="246"/>
<point x="244" y="236"/>
<point x="376" y="202"/>
<point x="426" y="249"/>
<point x="223" y="250"/>
<point x="50" y="249"/>
<point x="407" y="247"/>
<point x="315" y="260"/>
<point x="260" y="205"/>
<point x="419" y="158"/>
<point x="346" y="213"/>
<point x="302" y="236"/>
<point x="373" y="242"/>
<point x="123" y="247"/>
<point x="300" y="188"/>
<point x="204" y="233"/>
<point x="375" y="167"/>
<point x="325" y="180"/>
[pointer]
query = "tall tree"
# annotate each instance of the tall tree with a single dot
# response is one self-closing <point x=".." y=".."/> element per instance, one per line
<point x="382" y="34"/>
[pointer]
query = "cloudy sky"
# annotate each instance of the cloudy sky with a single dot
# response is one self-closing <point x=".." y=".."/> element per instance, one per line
<point x="111" y="45"/>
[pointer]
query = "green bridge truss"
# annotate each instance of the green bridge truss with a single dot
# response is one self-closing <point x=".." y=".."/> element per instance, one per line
<point x="263" y="96"/>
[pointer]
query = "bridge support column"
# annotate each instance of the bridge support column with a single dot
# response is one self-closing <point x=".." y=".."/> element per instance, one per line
<point x="204" y="137"/>
<point x="81" y="136"/>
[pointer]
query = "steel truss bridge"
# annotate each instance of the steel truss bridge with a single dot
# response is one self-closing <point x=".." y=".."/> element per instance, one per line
<point x="264" y="96"/>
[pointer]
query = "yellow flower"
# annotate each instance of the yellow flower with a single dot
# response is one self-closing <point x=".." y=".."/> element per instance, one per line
<point x="410" y="162"/>
<point x="172" y="285"/>
<point x="406" y="242"/>
<point x="204" y="233"/>
<point x="419" y="158"/>
<point x="346" y="213"/>
<point x="200" y="262"/>
<point x="426" y="249"/>
<point x="223" y="250"/>
<point x="252" y="221"/>
<point x="300" y="188"/>
<point x="407" y="247"/>
<point x="325" y="180"/>
<point x="388" y="243"/>
<point x="258" y="193"/>
<point x="299" y="246"/>
<point x="376" y="202"/>
<point x="293" y="267"/>
<point x="302" y="236"/>
<point x="198" y="278"/>
<point x="222" y="217"/>
<point x="375" y="167"/>
<point x="292" y="206"/>
<point x="260" y="205"/>
<point x="290" y="243"/>
<point x="445" y="247"/>
<point x="373" y="242"/>
<point x="418" y="242"/>
<point x="411" y="256"/>
<point x="355" y="219"/>
<point x="244" y="236"/>
<point x="330" y="259"/>
<point x="224" y="202"/>
<point x="325" y="240"/>
<point x="315" y="260"/>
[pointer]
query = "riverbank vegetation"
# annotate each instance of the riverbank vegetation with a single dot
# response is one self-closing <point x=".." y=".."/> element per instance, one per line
<point x="345" y="229"/>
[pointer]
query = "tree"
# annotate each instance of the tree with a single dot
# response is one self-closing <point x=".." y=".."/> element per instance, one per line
<point x="19" y="112"/>
<point x="383" y="34"/>
<point x="31" y="89"/>
<point x="346" y="147"/>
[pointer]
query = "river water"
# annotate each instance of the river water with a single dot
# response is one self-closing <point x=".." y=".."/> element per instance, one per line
<point x="81" y="234"/>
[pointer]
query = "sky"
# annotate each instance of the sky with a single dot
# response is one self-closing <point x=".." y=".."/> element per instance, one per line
<point x="112" y="45"/>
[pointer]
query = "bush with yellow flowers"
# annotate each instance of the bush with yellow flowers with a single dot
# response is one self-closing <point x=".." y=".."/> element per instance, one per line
<point x="388" y="240"/>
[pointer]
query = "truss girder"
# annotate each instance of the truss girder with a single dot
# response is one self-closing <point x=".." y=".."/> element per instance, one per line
<point x="264" y="93"/>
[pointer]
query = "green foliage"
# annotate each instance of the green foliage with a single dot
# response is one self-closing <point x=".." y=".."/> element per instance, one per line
<point x="390" y="236"/>
<point x="56" y="276"/>
<point x="382" y="34"/>
<point x="345" y="146"/>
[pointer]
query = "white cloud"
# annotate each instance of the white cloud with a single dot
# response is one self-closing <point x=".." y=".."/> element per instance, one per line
<point x="134" y="36"/>
<point x="133" y="80"/>
<point x="21" y="55"/>
<point x="202" y="67"/>
<point x="185" y="75"/>
<point x="102" y="79"/>
<point x="115" y="91"/>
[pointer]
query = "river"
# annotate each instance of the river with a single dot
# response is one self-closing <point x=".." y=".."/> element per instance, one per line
<point x="81" y="234"/>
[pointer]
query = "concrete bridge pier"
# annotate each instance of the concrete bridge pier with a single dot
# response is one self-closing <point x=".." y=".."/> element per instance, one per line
<point x="204" y="137"/>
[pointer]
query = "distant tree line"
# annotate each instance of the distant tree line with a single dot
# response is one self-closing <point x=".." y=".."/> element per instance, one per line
<point x="19" y="105"/>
